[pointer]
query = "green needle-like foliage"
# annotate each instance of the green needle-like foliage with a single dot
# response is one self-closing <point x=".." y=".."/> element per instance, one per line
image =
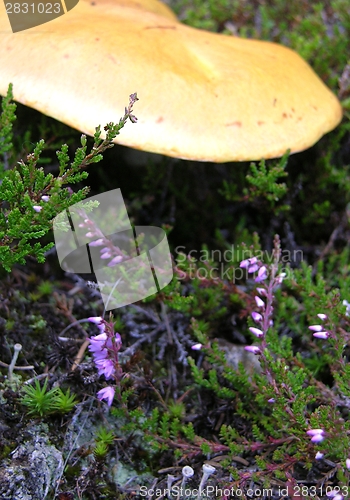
<point x="41" y="402"/>
<point x="31" y="198"/>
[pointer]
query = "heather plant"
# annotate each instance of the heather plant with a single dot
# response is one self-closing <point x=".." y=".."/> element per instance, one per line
<point x="293" y="413"/>
<point x="104" y="439"/>
<point x="292" y="410"/>
<point x="264" y="186"/>
<point x="104" y="349"/>
<point x="31" y="198"/>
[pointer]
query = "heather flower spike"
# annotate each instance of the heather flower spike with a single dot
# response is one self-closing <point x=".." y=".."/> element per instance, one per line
<point x="104" y="349"/>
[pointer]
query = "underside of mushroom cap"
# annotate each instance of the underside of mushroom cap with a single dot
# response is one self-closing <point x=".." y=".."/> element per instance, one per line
<point x="203" y="96"/>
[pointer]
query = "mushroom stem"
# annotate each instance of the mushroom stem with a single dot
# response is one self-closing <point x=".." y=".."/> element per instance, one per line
<point x="17" y="348"/>
<point x="208" y="470"/>
<point x="170" y="481"/>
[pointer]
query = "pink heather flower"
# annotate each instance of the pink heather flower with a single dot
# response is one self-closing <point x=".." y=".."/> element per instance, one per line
<point x="252" y="348"/>
<point x="98" y="346"/>
<point x="319" y="455"/>
<point x="253" y="268"/>
<point x="256" y="331"/>
<point x="280" y="278"/>
<point x="90" y="234"/>
<point x="322" y="316"/>
<point x="347" y="305"/>
<point x="257" y="317"/>
<point x="316" y="328"/>
<point x="262" y="275"/>
<point x="37" y="208"/>
<point x="318" y="438"/>
<point x="334" y="494"/>
<point x="313" y="432"/>
<point x="250" y="264"/>
<point x="100" y="322"/>
<point x="115" y="261"/>
<point x="271" y="400"/>
<point x="262" y="292"/>
<point x="106" y="393"/>
<point x="197" y="347"/>
<point x="95" y="319"/>
<point x="347" y="463"/>
<point x="259" y="302"/>
<point x="321" y="335"/>
<point x="97" y="243"/>
<point x="106" y="255"/>
<point x="317" y="435"/>
<point x="105" y="367"/>
<point x="45" y="198"/>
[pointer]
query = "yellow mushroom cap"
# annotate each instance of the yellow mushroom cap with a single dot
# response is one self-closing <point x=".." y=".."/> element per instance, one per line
<point x="203" y="96"/>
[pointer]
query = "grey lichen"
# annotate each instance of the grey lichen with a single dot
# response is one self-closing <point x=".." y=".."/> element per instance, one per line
<point x="33" y="468"/>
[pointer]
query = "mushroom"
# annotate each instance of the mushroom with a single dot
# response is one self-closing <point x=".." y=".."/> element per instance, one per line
<point x="203" y="96"/>
<point x="187" y="472"/>
<point x="208" y="470"/>
<point x="16" y="348"/>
